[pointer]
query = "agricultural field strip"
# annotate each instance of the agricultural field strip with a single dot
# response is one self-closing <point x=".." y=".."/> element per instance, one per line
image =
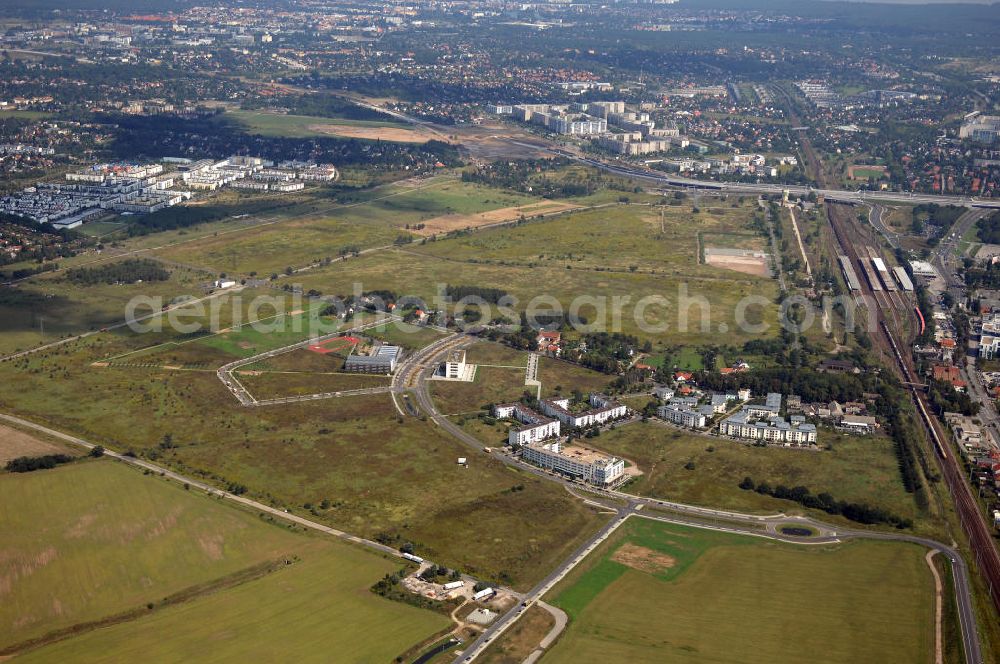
<point x="175" y="344"/>
<point x="117" y="326"/>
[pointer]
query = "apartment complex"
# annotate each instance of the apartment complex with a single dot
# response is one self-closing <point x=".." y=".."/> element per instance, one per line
<point x="989" y="339"/>
<point x="604" y="409"/>
<point x="535" y="426"/>
<point x="577" y="462"/>
<point x="682" y="412"/>
<point x="981" y="128"/>
<point x="774" y="429"/>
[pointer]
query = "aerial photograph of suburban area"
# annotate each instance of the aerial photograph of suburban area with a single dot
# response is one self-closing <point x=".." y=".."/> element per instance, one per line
<point x="446" y="331"/>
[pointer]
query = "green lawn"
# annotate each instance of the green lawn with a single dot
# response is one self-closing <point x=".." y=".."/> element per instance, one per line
<point x="95" y="539"/>
<point x="718" y="597"/>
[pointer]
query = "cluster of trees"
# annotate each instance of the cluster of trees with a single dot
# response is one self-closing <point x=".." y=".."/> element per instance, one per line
<point x="607" y="352"/>
<point x="988" y="229"/>
<point x="858" y="512"/>
<point x="123" y="272"/>
<point x="811" y="385"/>
<point x="21" y="273"/>
<point x="945" y="399"/>
<point x="491" y="295"/>
<point x="436" y="574"/>
<point x="940" y="217"/>
<point x="27" y="464"/>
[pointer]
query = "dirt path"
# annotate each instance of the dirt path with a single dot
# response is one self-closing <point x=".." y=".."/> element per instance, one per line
<point x="798" y="238"/>
<point x="938" y="609"/>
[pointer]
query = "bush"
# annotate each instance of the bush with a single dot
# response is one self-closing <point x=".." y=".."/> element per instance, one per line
<point x="28" y="464"/>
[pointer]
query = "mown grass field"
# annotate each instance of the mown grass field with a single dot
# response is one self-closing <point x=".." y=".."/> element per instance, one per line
<point x="717" y="597"/>
<point x="855" y="469"/>
<point x="381" y="474"/>
<point x="97" y="539"/>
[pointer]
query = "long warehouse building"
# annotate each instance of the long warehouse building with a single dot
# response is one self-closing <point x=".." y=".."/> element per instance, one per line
<point x="849" y="275"/>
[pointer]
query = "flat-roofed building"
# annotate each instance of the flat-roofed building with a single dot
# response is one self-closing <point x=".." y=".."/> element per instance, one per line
<point x="603" y="409"/>
<point x="535" y="426"/>
<point x="773" y="429"/>
<point x="454" y="366"/>
<point x="382" y="361"/>
<point x="577" y="462"/>
<point x="684" y="414"/>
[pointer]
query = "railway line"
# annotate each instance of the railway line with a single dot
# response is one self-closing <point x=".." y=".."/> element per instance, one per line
<point x="973" y="524"/>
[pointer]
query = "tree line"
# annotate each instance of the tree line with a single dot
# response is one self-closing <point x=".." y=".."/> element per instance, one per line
<point x="858" y="512"/>
<point x="128" y="271"/>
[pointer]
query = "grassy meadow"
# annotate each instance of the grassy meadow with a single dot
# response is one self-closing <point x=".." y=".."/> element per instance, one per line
<point x="97" y="544"/>
<point x="658" y="592"/>
<point x="381" y="475"/>
<point x="853" y="468"/>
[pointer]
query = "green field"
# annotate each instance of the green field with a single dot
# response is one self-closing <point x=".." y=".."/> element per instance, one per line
<point x="49" y="307"/>
<point x="98" y="541"/>
<point x="854" y="468"/>
<point x="704" y="596"/>
<point x="294" y="126"/>
<point x="300" y="238"/>
<point x="273" y="385"/>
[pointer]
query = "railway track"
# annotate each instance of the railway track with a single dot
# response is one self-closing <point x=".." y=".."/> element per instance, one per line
<point x="973" y="524"/>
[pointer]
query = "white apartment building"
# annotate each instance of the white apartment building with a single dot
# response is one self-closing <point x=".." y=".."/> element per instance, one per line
<point x="454" y="366"/>
<point x="982" y="128"/>
<point x="536" y="427"/>
<point x="683" y="414"/>
<point x="773" y="429"/>
<point x="577" y="462"/>
<point x="770" y="408"/>
<point x="604" y="410"/>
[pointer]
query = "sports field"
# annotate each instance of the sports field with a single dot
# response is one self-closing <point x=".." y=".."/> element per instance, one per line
<point x="661" y="593"/>
<point x="97" y="542"/>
